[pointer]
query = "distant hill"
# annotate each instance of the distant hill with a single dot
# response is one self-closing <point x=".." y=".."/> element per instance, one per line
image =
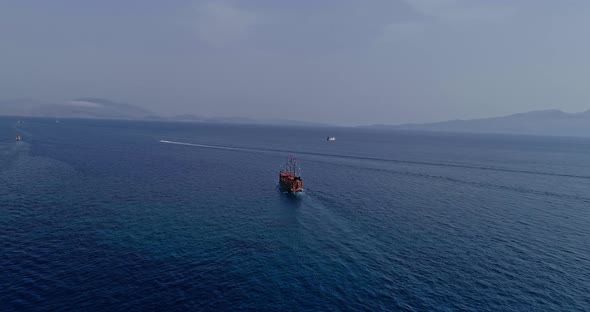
<point x="19" y="107"/>
<point x="106" y="109"/>
<point x="77" y="108"/>
<point x="187" y="118"/>
<point x="542" y="122"/>
<point x="264" y="121"/>
<point x="244" y="121"/>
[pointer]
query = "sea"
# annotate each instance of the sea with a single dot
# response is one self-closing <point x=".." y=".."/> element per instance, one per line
<point x="102" y="215"/>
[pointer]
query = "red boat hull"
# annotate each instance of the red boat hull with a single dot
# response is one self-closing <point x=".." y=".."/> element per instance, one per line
<point x="291" y="183"/>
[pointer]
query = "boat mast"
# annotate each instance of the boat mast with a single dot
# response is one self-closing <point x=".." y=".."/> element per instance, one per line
<point x="291" y="166"/>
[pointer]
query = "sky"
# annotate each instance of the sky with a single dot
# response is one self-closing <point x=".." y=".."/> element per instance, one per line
<point x="345" y="62"/>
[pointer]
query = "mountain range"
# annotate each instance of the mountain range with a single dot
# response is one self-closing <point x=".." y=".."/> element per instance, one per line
<point x="77" y="108"/>
<point x="106" y="109"/>
<point x="541" y="122"/>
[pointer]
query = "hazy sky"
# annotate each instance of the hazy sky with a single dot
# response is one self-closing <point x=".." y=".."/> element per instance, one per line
<point x="339" y="61"/>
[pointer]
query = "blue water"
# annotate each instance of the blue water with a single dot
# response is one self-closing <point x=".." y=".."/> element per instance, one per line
<point x="101" y="215"/>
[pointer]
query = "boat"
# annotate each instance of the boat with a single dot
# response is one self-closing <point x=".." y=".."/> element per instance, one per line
<point x="18" y="138"/>
<point x="331" y="138"/>
<point x="289" y="178"/>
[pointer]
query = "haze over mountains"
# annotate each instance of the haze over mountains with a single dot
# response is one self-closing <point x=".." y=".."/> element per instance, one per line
<point x="77" y="108"/>
<point x="106" y="109"/>
<point x="542" y="122"/>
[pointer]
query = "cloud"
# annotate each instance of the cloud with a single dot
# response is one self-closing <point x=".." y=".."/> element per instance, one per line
<point x="431" y="14"/>
<point x="460" y="10"/>
<point x="219" y="23"/>
<point x="401" y="30"/>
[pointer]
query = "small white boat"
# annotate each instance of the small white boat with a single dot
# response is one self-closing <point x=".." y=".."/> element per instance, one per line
<point x="331" y="138"/>
<point x="18" y="138"/>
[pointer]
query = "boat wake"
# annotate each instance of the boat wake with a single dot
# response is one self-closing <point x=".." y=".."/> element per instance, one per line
<point x="401" y="161"/>
<point x="210" y="146"/>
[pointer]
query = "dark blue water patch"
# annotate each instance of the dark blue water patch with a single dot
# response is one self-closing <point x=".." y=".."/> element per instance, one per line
<point x="99" y="215"/>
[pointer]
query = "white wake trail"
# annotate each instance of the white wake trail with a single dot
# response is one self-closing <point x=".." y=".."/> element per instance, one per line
<point x="210" y="146"/>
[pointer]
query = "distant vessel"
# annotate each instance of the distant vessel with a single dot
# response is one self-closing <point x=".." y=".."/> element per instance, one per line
<point x="289" y="178"/>
<point x="331" y="138"/>
<point x="18" y="138"/>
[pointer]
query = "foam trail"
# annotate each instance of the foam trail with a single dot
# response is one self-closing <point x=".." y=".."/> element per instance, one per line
<point x="210" y="146"/>
<point x="556" y="174"/>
